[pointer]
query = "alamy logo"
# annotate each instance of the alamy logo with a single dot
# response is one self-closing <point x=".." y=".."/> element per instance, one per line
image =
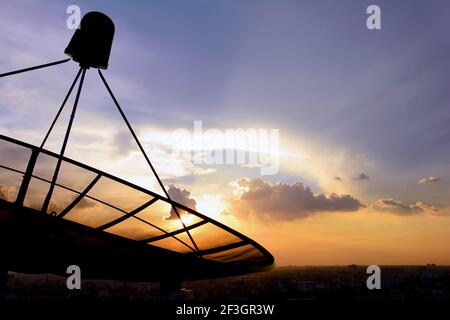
<point x="373" y="281"/>
<point x="255" y="148"/>
<point x="373" y="22"/>
<point x="74" y="18"/>
<point x="74" y="280"/>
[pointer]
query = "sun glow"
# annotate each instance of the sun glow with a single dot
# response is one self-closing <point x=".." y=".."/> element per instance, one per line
<point x="187" y="219"/>
<point x="211" y="205"/>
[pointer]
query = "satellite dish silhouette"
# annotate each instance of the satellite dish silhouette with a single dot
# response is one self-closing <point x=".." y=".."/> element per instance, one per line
<point x="92" y="41"/>
<point x="55" y="211"/>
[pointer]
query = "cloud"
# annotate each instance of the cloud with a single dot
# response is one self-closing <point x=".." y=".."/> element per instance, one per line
<point x="399" y="208"/>
<point x="428" y="180"/>
<point x="166" y="154"/>
<point x="7" y="193"/>
<point x="3" y="194"/>
<point x="123" y="144"/>
<point x="284" y="201"/>
<point x="181" y="196"/>
<point x="86" y="203"/>
<point x="362" y="176"/>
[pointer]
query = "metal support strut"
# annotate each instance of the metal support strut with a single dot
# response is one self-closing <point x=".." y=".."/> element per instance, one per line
<point x="146" y="157"/>
<point x="33" y="68"/>
<point x="32" y="162"/>
<point x="48" y="197"/>
<point x="63" y="147"/>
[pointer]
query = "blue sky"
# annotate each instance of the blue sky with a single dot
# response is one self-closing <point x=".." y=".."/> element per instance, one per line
<point x="377" y="100"/>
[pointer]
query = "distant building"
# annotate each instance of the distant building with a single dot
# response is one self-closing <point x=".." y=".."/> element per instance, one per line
<point x="352" y="269"/>
<point x="306" y="286"/>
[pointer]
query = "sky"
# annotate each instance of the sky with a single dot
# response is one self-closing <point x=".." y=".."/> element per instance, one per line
<point x="363" y="148"/>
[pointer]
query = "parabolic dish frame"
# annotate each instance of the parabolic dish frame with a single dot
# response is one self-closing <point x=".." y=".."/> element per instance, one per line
<point x="55" y="211"/>
<point x="231" y="252"/>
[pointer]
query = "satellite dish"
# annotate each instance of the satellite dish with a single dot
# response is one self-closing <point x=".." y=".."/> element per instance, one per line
<point x="92" y="41"/>
<point x="47" y="221"/>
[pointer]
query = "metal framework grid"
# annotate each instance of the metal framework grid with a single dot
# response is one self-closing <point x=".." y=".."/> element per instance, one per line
<point x="265" y="258"/>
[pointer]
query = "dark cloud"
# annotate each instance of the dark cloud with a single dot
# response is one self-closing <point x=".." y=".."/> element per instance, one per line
<point x="86" y="203"/>
<point x="399" y="208"/>
<point x="428" y="180"/>
<point x="362" y="176"/>
<point x="285" y="201"/>
<point x="181" y="196"/>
